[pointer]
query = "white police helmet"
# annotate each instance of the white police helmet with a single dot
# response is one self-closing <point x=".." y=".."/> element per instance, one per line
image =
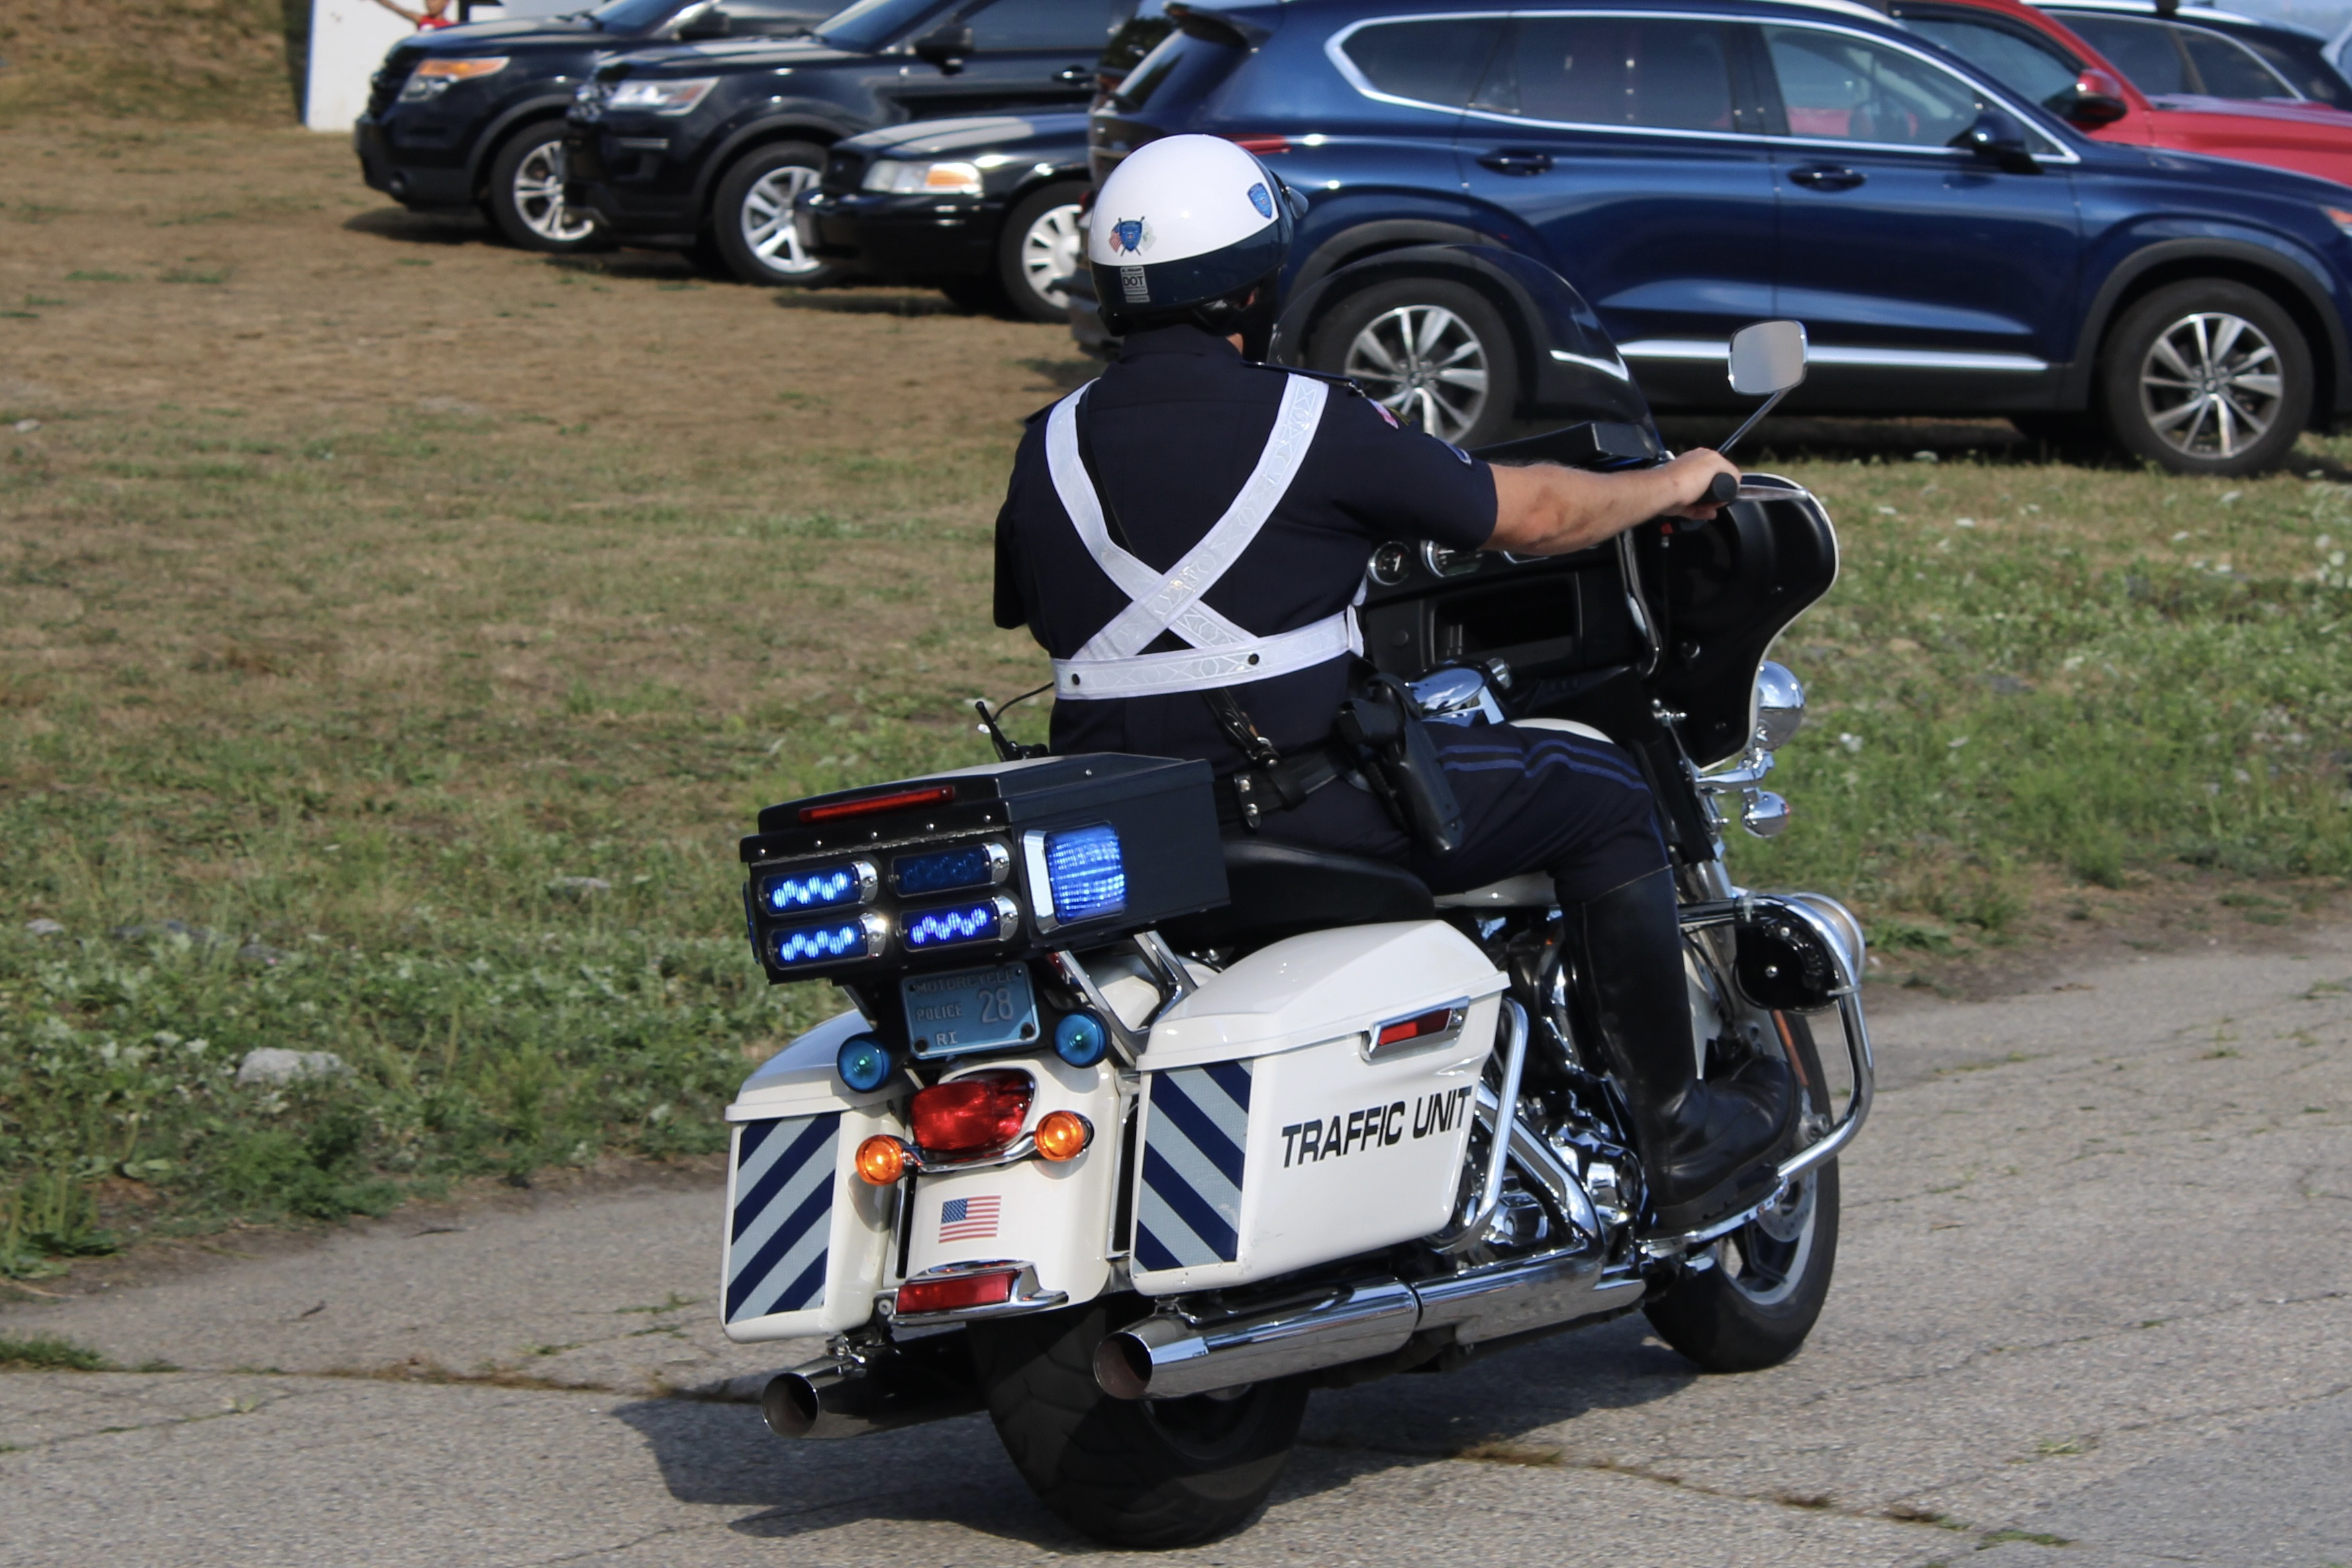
<point x="1185" y="221"/>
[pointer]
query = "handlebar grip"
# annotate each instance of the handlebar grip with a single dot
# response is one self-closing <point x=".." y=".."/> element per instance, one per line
<point x="1722" y="490"/>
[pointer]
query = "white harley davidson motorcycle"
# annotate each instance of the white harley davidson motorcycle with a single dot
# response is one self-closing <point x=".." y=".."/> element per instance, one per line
<point x="1135" y="1134"/>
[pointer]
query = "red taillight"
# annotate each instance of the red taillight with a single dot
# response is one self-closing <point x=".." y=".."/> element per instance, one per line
<point x="873" y="805"/>
<point x="955" y="1292"/>
<point x="1263" y="146"/>
<point x="1413" y="1028"/>
<point x="969" y="1114"/>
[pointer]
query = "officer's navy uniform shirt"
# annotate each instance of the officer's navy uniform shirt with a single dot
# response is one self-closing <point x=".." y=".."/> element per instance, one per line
<point x="1176" y="427"/>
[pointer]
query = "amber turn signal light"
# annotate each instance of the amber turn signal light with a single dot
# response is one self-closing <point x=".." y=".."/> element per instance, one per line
<point x="881" y="1160"/>
<point x="1063" y="1135"/>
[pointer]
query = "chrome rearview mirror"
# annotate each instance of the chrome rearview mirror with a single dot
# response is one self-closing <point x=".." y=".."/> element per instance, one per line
<point x="1768" y="360"/>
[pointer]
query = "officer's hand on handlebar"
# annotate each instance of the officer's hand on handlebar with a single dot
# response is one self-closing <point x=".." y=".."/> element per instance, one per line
<point x="1700" y="480"/>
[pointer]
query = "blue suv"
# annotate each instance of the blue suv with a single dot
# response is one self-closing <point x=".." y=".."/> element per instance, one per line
<point x="1691" y="167"/>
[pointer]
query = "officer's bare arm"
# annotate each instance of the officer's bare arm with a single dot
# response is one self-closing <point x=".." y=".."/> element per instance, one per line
<point x="1545" y="510"/>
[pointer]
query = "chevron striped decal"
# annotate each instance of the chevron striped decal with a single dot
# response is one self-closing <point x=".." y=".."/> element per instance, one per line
<point x="1192" y="1205"/>
<point x="784" y="1215"/>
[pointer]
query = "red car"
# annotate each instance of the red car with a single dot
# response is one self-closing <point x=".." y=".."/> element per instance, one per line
<point x="2040" y="58"/>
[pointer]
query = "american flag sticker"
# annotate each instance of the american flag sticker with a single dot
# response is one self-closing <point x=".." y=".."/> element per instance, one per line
<point x="969" y="1219"/>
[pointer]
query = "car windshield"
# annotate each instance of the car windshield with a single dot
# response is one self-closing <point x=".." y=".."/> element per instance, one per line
<point x="630" y="17"/>
<point x="871" y="25"/>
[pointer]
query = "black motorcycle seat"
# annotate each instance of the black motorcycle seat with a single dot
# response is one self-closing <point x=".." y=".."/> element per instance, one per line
<point x="1280" y="890"/>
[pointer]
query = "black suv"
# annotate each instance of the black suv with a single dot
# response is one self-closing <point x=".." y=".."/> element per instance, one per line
<point x="473" y="117"/>
<point x="706" y="147"/>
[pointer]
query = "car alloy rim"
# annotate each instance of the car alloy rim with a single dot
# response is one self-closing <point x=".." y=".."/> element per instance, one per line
<point x="1426" y="363"/>
<point x="1049" y="252"/>
<point x="768" y="225"/>
<point x="538" y="196"/>
<point x="2211" y="384"/>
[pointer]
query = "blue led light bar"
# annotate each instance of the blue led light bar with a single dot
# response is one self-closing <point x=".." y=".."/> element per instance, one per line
<point x="822" y="887"/>
<point x="1086" y="871"/>
<point x="801" y="946"/>
<point x="956" y="925"/>
<point x="950" y="870"/>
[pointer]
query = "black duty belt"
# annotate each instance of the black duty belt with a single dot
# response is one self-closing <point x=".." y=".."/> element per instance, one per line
<point x="1247" y="798"/>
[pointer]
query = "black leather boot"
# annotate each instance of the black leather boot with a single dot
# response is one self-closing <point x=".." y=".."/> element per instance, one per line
<point x="1707" y="1149"/>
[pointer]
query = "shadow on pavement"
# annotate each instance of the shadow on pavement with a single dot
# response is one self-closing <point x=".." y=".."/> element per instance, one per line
<point x="420" y="228"/>
<point x="955" y="1472"/>
<point x="870" y="302"/>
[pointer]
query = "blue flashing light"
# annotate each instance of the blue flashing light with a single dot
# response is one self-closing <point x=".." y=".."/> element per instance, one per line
<point x="953" y="926"/>
<point x="819" y="890"/>
<point x="865" y="1063"/>
<point x="945" y="870"/>
<point x="820" y="944"/>
<point x="1080" y="1039"/>
<point x="1087" y="872"/>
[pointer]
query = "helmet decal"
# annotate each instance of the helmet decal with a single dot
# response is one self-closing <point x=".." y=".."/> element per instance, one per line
<point x="1262" y="199"/>
<point x="1131" y="236"/>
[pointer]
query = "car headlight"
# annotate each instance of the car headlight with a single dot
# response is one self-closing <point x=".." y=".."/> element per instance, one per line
<point x="434" y="78"/>
<point x="950" y="179"/>
<point x="651" y="97"/>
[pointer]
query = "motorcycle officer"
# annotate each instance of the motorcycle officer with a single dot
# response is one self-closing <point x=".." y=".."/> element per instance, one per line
<point x="1186" y="536"/>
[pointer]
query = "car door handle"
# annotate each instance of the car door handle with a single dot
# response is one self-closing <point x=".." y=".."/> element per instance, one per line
<point x="1827" y="177"/>
<point x="1507" y="160"/>
<point x="1075" y="75"/>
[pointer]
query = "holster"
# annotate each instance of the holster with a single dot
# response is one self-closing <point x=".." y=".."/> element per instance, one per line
<point x="1383" y="725"/>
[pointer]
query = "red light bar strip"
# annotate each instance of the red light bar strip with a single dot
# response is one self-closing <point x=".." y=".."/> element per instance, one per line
<point x="1413" y="1028"/>
<point x="874" y="805"/>
<point x="955" y="1292"/>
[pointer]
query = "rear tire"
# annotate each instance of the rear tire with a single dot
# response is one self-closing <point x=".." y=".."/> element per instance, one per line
<point x="1436" y="353"/>
<point x="2207" y="377"/>
<point x="1146" y="1475"/>
<point x="524" y="201"/>
<point x="1042" y="241"/>
<point x="1755" y="1306"/>
<point x="752" y="217"/>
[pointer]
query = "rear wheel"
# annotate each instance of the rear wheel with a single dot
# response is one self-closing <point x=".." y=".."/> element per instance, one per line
<point x="1142" y="1474"/>
<point x="525" y="199"/>
<point x="752" y="217"/>
<point x="1757" y="1304"/>
<point x="2208" y="377"/>
<point x="1040" y="245"/>
<point x="1435" y="353"/>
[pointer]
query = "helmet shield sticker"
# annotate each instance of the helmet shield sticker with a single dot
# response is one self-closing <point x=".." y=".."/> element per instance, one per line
<point x="1260" y="199"/>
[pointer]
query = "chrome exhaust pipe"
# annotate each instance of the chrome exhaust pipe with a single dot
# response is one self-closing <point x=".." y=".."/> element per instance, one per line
<point x="1167" y="1355"/>
<point x="827" y="1398"/>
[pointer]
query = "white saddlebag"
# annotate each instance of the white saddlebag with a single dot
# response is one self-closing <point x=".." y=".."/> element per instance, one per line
<point x="1277" y="1131"/>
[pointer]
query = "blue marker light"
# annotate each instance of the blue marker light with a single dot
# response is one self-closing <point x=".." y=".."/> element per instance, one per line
<point x="1087" y="873"/>
<point x="820" y="944"/>
<point x="865" y="1063"/>
<point x="1080" y="1039"/>
<point x="954" y="925"/>
<point x="792" y="891"/>
<point x="947" y="871"/>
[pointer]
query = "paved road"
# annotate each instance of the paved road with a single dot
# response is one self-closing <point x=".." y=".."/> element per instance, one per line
<point x="2092" y="1311"/>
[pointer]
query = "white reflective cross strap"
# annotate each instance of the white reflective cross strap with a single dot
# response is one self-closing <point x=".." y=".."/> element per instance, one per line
<point x="1222" y="654"/>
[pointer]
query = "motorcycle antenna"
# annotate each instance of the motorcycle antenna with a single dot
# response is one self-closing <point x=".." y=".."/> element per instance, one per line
<point x="1007" y="749"/>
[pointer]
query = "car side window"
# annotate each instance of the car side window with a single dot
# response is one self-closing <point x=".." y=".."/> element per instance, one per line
<point x="1614" y="70"/>
<point x="1435" y="62"/>
<point x="2144" y="51"/>
<point x="2310" y="78"/>
<point x="2227" y="68"/>
<point x="1837" y="86"/>
<point x="1010" y="25"/>
<point x="2030" y="68"/>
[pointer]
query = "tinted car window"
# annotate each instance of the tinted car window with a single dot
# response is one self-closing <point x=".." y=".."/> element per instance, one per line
<point x="1137" y="37"/>
<point x="1042" y="25"/>
<point x="1436" y="62"/>
<point x="2143" y="51"/>
<point x="2227" y="68"/>
<point x="632" y="16"/>
<point x="1838" y="87"/>
<point x="2027" y="67"/>
<point x="872" y="24"/>
<point x="1614" y="70"/>
<point x="2310" y="78"/>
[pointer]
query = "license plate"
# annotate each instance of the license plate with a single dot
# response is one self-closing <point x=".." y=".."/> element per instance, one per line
<point x="970" y="1010"/>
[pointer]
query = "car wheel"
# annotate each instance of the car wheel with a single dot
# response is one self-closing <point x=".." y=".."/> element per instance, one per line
<point x="752" y="217"/>
<point x="2207" y="377"/>
<point x="525" y="199"/>
<point x="1042" y="243"/>
<point x="1435" y="353"/>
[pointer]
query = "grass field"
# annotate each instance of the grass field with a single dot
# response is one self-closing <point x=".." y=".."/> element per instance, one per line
<point x="396" y="631"/>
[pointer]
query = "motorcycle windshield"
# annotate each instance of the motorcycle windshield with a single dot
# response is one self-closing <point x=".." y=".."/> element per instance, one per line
<point x="1576" y="372"/>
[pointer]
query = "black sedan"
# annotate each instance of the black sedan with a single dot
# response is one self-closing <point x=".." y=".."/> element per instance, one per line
<point x="986" y="210"/>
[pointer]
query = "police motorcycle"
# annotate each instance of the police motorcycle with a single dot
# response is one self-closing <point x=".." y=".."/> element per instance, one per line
<point x="1136" y="1132"/>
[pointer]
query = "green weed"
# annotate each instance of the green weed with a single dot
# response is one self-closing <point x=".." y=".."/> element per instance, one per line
<point x="48" y="1353"/>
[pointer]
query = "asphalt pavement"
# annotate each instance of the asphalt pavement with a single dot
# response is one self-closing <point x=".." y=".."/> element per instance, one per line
<point x="2093" y="1309"/>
